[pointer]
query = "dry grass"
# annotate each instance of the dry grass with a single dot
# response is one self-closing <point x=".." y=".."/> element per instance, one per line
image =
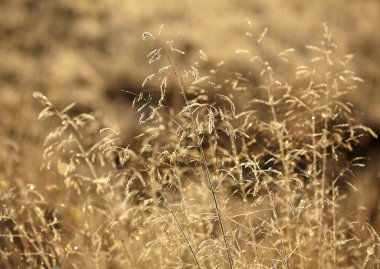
<point x="242" y="170"/>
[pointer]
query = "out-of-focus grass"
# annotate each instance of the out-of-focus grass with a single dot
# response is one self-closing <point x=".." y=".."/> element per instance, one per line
<point x="88" y="51"/>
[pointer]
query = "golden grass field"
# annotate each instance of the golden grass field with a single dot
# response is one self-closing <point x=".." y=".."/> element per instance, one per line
<point x="189" y="134"/>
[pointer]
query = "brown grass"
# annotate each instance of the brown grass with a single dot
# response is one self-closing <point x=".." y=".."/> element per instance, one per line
<point x="242" y="170"/>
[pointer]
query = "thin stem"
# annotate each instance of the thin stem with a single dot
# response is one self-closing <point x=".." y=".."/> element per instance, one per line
<point x="243" y="192"/>
<point x="322" y="192"/>
<point x="217" y="208"/>
<point x="167" y="205"/>
<point x="183" y="233"/>
<point x="201" y="151"/>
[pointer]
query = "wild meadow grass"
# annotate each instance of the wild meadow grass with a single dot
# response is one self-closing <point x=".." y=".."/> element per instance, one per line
<point x="243" y="171"/>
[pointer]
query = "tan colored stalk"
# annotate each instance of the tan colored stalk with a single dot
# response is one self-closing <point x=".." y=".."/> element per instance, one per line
<point x="201" y="151"/>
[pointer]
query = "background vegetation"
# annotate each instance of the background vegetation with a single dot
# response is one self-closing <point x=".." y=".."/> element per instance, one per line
<point x="245" y="151"/>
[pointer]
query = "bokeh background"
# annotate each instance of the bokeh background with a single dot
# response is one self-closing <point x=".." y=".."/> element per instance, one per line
<point x="88" y="51"/>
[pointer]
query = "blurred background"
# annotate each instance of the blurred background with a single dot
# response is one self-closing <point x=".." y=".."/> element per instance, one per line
<point x="88" y="51"/>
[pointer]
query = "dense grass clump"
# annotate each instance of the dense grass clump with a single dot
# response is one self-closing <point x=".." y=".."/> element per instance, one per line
<point x="242" y="171"/>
